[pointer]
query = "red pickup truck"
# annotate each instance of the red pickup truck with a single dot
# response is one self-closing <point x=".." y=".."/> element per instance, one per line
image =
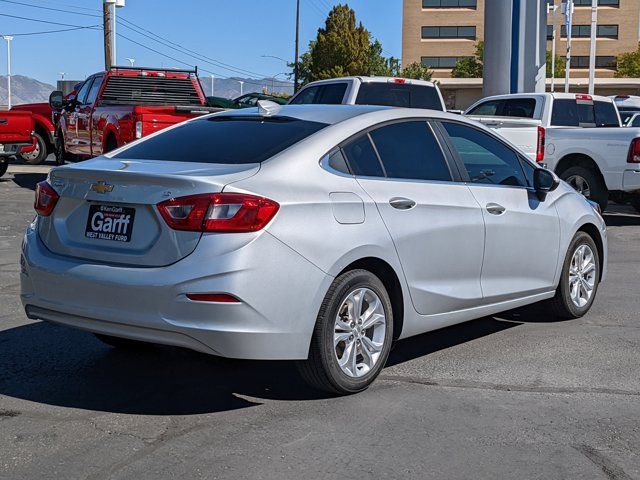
<point x="123" y="104"/>
<point x="16" y="129"/>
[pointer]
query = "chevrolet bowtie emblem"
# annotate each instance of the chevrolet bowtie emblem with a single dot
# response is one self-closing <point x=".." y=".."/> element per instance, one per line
<point x="101" y="187"/>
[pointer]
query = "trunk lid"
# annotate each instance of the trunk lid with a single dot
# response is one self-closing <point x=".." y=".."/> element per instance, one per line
<point x="107" y="208"/>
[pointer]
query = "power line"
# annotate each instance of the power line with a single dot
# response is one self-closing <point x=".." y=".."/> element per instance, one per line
<point x="89" y="27"/>
<point x="49" y="8"/>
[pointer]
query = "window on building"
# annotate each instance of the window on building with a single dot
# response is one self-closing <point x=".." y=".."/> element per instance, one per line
<point x="584" y="31"/>
<point x="467" y="32"/>
<point x="587" y="3"/>
<point x="605" y="62"/>
<point x="450" y="4"/>
<point x="440" y="62"/>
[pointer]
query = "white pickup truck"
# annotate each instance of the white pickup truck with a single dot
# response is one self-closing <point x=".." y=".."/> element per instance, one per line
<point x="577" y="136"/>
<point x="389" y="91"/>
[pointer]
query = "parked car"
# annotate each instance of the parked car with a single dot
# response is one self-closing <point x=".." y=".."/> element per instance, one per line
<point x="628" y="105"/>
<point x="392" y="92"/>
<point x="245" y="101"/>
<point x="121" y="105"/>
<point x="16" y="129"/>
<point x="310" y="233"/>
<point x="599" y="160"/>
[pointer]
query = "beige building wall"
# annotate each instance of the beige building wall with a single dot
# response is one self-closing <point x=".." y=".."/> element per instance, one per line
<point x="415" y="48"/>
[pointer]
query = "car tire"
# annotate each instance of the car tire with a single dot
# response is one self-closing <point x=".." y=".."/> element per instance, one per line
<point x="39" y="155"/>
<point x="122" y="343"/>
<point x="111" y="145"/>
<point x="564" y="304"/>
<point x="587" y="182"/>
<point x="62" y="156"/>
<point x="635" y="202"/>
<point x="345" y="356"/>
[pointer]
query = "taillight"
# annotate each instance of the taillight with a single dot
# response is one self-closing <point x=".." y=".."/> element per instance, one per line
<point x="218" y="212"/>
<point x="139" y="129"/>
<point x="46" y="199"/>
<point x="634" y="151"/>
<point x="212" y="297"/>
<point x="540" y="145"/>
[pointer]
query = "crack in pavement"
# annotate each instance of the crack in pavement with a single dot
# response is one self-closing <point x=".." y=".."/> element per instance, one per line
<point x="609" y="468"/>
<point x="504" y="388"/>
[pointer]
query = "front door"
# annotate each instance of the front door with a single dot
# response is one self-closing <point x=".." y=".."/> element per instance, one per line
<point x="522" y="233"/>
<point x="434" y="222"/>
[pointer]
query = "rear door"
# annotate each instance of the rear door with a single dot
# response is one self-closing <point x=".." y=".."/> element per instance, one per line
<point x="434" y="221"/>
<point x="522" y="233"/>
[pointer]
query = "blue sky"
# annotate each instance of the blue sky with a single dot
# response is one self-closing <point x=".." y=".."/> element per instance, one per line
<point x="234" y="32"/>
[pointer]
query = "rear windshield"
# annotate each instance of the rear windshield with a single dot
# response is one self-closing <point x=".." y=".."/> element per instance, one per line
<point x="149" y="90"/>
<point x="325" y="94"/>
<point x="225" y="140"/>
<point x="399" y="95"/>
<point x="583" y="113"/>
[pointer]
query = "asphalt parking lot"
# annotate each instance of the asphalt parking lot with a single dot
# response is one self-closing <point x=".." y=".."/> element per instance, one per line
<point x="513" y="396"/>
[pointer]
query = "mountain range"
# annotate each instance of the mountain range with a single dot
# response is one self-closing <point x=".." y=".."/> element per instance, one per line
<point x="29" y="90"/>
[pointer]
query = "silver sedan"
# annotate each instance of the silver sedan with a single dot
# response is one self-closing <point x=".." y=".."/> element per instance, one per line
<point x="312" y="233"/>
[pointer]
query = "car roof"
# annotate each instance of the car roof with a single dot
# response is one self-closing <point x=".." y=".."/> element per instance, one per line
<point x="365" y="79"/>
<point x="556" y="95"/>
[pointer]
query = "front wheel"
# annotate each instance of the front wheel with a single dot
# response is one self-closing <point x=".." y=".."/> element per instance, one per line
<point x="353" y="335"/>
<point x="4" y="165"/>
<point x="580" y="279"/>
<point x="588" y="183"/>
<point x="61" y="152"/>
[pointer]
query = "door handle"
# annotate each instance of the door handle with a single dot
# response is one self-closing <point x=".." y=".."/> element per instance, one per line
<point x="495" y="209"/>
<point x="401" y="203"/>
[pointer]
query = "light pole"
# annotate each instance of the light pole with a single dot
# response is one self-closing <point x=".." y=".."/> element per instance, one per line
<point x="8" y="38"/>
<point x="273" y="80"/>
<point x="213" y="84"/>
<point x="241" y="87"/>
<point x="553" y="8"/>
<point x="62" y="74"/>
<point x="568" y="11"/>
<point x="132" y="61"/>
<point x="592" y="52"/>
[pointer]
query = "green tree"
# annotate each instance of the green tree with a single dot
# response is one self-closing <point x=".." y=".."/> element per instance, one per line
<point x="417" y="70"/>
<point x="629" y="64"/>
<point x="561" y="66"/>
<point x="342" y="48"/>
<point x="470" y="67"/>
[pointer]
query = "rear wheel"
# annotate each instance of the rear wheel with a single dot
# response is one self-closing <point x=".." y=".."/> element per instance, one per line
<point x="111" y="144"/>
<point x="353" y="335"/>
<point x="39" y="154"/>
<point x="588" y="183"/>
<point x="118" y="342"/>
<point x="580" y="278"/>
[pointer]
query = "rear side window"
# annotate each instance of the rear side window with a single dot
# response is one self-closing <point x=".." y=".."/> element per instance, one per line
<point x="362" y="158"/>
<point x="399" y="95"/>
<point x="224" y="140"/>
<point x="606" y="115"/>
<point x="586" y="114"/>
<point x="565" y="113"/>
<point x="636" y="122"/>
<point x="409" y="150"/>
<point x="328" y="94"/>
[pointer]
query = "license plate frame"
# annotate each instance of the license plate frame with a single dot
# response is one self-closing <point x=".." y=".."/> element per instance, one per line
<point x="113" y="223"/>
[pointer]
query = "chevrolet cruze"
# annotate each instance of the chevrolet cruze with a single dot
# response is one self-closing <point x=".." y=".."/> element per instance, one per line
<point x="312" y="233"/>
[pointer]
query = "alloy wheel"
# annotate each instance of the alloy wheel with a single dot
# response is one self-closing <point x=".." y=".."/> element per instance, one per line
<point x="582" y="275"/>
<point x="359" y="332"/>
<point x="580" y="185"/>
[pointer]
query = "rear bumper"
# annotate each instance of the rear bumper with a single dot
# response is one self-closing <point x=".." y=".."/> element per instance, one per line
<point x="280" y="294"/>
<point x="631" y="181"/>
<point x="10" y="149"/>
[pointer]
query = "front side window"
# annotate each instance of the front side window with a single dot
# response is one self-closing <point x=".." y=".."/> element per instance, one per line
<point x="93" y="93"/>
<point x="409" y="150"/>
<point x="489" y="108"/>
<point x="224" y="140"/>
<point x="511" y="107"/>
<point x="636" y="122"/>
<point x="487" y="160"/>
<point x="82" y="94"/>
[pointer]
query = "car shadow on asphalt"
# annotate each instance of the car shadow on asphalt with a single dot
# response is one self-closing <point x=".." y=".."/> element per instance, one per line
<point x="622" y="219"/>
<point x="28" y="180"/>
<point x="64" y="367"/>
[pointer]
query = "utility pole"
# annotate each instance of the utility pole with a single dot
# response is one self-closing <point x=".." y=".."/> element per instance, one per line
<point x="8" y="38"/>
<point x="106" y="14"/>
<point x="296" y="75"/>
<point x="553" y="45"/>
<point x="592" y="51"/>
<point x="568" y="6"/>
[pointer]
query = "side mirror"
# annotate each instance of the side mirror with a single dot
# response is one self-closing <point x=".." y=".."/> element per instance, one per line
<point x="56" y="100"/>
<point x="544" y="181"/>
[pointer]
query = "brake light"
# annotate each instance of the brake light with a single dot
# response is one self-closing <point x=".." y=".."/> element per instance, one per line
<point x="218" y="212"/>
<point x="540" y="145"/>
<point x="212" y="297"/>
<point x="634" y="151"/>
<point x="401" y="81"/>
<point x="46" y="199"/>
<point x="586" y="98"/>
